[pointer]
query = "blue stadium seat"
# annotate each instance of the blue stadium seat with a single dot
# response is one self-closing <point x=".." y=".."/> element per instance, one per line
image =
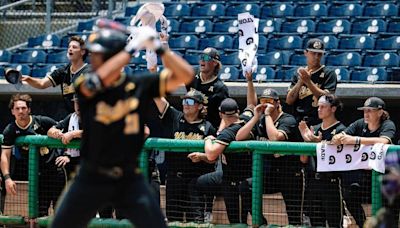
<point x="229" y="73"/>
<point x="334" y="26"/>
<point x="42" y="71"/>
<point x="185" y="42"/>
<point x="277" y="10"/>
<point x="34" y="56"/>
<point x="298" y="60"/>
<point x="5" y="56"/>
<point x="270" y="25"/>
<point x="381" y="59"/>
<point x="123" y="20"/>
<point x="285" y="74"/>
<point x="128" y="70"/>
<point x="390" y="43"/>
<point x="274" y="58"/>
<point x="23" y="68"/>
<point x="394" y="26"/>
<point x="370" y="74"/>
<point x="331" y="42"/>
<point x="343" y="74"/>
<point x="230" y="59"/>
<point x="85" y="25"/>
<point x="344" y="59"/>
<point x="139" y="58"/>
<point x="196" y="26"/>
<point x="224" y="27"/>
<point x="58" y="57"/>
<point x="173" y="25"/>
<point x="132" y="10"/>
<point x="65" y="39"/>
<point x="218" y="42"/>
<point x="368" y="26"/>
<point x="264" y="73"/>
<point x="212" y="9"/>
<point x="285" y="43"/>
<point x="357" y="42"/>
<point x="2" y="70"/>
<point x="192" y="59"/>
<point x="311" y="10"/>
<point x="177" y="10"/>
<point x="44" y="41"/>
<point x="381" y="9"/>
<point x="298" y="26"/>
<point x="347" y="9"/>
<point x="234" y="10"/>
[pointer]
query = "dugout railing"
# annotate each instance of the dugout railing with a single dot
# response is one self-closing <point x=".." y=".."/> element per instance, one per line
<point x="258" y="149"/>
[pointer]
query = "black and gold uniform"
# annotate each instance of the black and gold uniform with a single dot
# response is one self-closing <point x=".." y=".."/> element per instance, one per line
<point x="306" y="106"/>
<point x="181" y="170"/>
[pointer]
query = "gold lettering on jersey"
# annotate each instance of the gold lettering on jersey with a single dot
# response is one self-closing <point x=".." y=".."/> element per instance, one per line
<point x="107" y="114"/>
<point x="130" y="86"/>
<point x="43" y="151"/>
<point x="247" y="113"/>
<point x="305" y="92"/>
<point x="68" y="89"/>
<point x="131" y="124"/>
<point x="191" y="135"/>
<point x="333" y="132"/>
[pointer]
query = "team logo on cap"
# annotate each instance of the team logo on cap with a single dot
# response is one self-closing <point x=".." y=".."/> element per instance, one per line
<point x="92" y="37"/>
<point x="367" y="102"/>
<point x="317" y="45"/>
<point x="267" y="92"/>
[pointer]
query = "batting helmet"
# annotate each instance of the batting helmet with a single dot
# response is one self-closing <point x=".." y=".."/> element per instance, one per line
<point x="106" y="41"/>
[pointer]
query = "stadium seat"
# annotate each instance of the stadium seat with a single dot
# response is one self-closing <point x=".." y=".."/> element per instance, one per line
<point x="218" y="42"/>
<point x="132" y="10"/>
<point x="196" y="26"/>
<point x="225" y="27"/>
<point x="394" y="26"/>
<point x="23" y="68"/>
<point x="229" y="73"/>
<point x="123" y="20"/>
<point x="298" y="60"/>
<point x="5" y="56"/>
<point x="370" y="74"/>
<point x="235" y="9"/>
<point x="285" y="43"/>
<point x="127" y="70"/>
<point x="357" y="42"/>
<point x="177" y="10"/>
<point x="212" y="9"/>
<point x="270" y="25"/>
<point x="336" y="26"/>
<point x="42" y="71"/>
<point x="331" y="42"/>
<point x="390" y="43"/>
<point x="277" y="10"/>
<point x="44" y="41"/>
<point x="139" y="58"/>
<point x="346" y="9"/>
<point x="173" y="25"/>
<point x="192" y="58"/>
<point x="65" y="39"/>
<point x="285" y="74"/>
<point x="34" y="56"/>
<point x="343" y="75"/>
<point x="381" y="9"/>
<point x="381" y="59"/>
<point x="344" y="59"/>
<point x="58" y="57"/>
<point x="274" y="58"/>
<point x="368" y="26"/>
<point x="85" y="25"/>
<point x="298" y="26"/>
<point x="230" y="59"/>
<point x="311" y="10"/>
<point x="185" y="42"/>
<point x="2" y="70"/>
<point x="264" y="73"/>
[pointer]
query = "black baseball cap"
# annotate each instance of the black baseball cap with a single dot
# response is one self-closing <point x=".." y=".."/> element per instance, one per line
<point x="196" y="95"/>
<point x="229" y="106"/>
<point x="13" y="76"/>
<point x="213" y="53"/>
<point x="374" y="103"/>
<point x="315" y="45"/>
<point x="270" y="93"/>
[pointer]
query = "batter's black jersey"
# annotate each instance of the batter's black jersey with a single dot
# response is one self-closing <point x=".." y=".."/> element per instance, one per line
<point x="330" y="131"/>
<point x="64" y="77"/>
<point x="285" y="123"/>
<point x="360" y="128"/>
<point x="307" y="103"/>
<point x="215" y="91"/>
<point x="63" y="124"/>
<point x="113" y="120"/>
<point x="181" y="129"/>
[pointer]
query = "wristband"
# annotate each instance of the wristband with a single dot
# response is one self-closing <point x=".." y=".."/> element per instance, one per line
<point x="160" y="51"/>
<point x="358" y="140"/>
<point x="7" y="176"/>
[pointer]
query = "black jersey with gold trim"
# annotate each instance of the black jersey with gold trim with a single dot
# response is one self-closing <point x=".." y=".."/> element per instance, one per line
<point x="285" y="123"/>
<point x="387" y="130"/>
<point x="113" y="120"/>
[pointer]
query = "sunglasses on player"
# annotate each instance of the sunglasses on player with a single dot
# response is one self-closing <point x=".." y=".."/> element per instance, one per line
<point x="206" y="58"/>
<point x="188" y="101"/>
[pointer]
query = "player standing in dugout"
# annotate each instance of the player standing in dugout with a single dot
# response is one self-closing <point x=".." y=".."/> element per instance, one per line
<point x="112" y="106"/>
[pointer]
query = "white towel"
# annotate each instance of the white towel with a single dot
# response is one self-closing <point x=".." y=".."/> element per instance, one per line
<point x="73" y="125"/>
<point x="248" y="42"/>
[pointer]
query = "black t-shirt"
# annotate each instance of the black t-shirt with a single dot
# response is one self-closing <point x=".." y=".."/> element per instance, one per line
<point x="307" y="103"/>
<point x="181" y="129"/>
<point x="360" y="128"/>
<point x="329" y="132"/>
<point x="285" y="123"/>
<point x="113" y="120"/>
<point x="215" y="92"/>
<point x="64" y="77"/>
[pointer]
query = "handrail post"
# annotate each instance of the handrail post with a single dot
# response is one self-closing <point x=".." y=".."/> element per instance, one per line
<point x="144" y="163"/>
<point x="257" y="191"/>
<point x="376" y="196"/>
<point x="33" y="183"/>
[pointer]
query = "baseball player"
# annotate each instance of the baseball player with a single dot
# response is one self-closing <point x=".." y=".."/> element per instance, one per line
<point x="309" y="83"/>
<point x="112" y="106"/>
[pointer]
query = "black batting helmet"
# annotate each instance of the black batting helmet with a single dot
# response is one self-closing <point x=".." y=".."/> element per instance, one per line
<point x="106" y="41"/>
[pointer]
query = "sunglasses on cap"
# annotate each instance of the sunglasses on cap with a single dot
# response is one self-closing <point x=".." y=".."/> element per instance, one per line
<point x="188" y="101"/>
<point x="206" y="58"/>
<point x="267" y="100"/>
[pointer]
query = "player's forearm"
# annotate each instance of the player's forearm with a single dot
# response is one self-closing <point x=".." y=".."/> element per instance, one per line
<point x="251" y="94"/>
<point x="293" y="94"/>
<point x="317" y="92"/>
<point x="110" y="71"/>
<point x="244" y="132"/>
<point x="272" y="132"/>
<point x="182" y="72"/>
<point x="38" y="83"/>
<point x="5" y="163"/>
